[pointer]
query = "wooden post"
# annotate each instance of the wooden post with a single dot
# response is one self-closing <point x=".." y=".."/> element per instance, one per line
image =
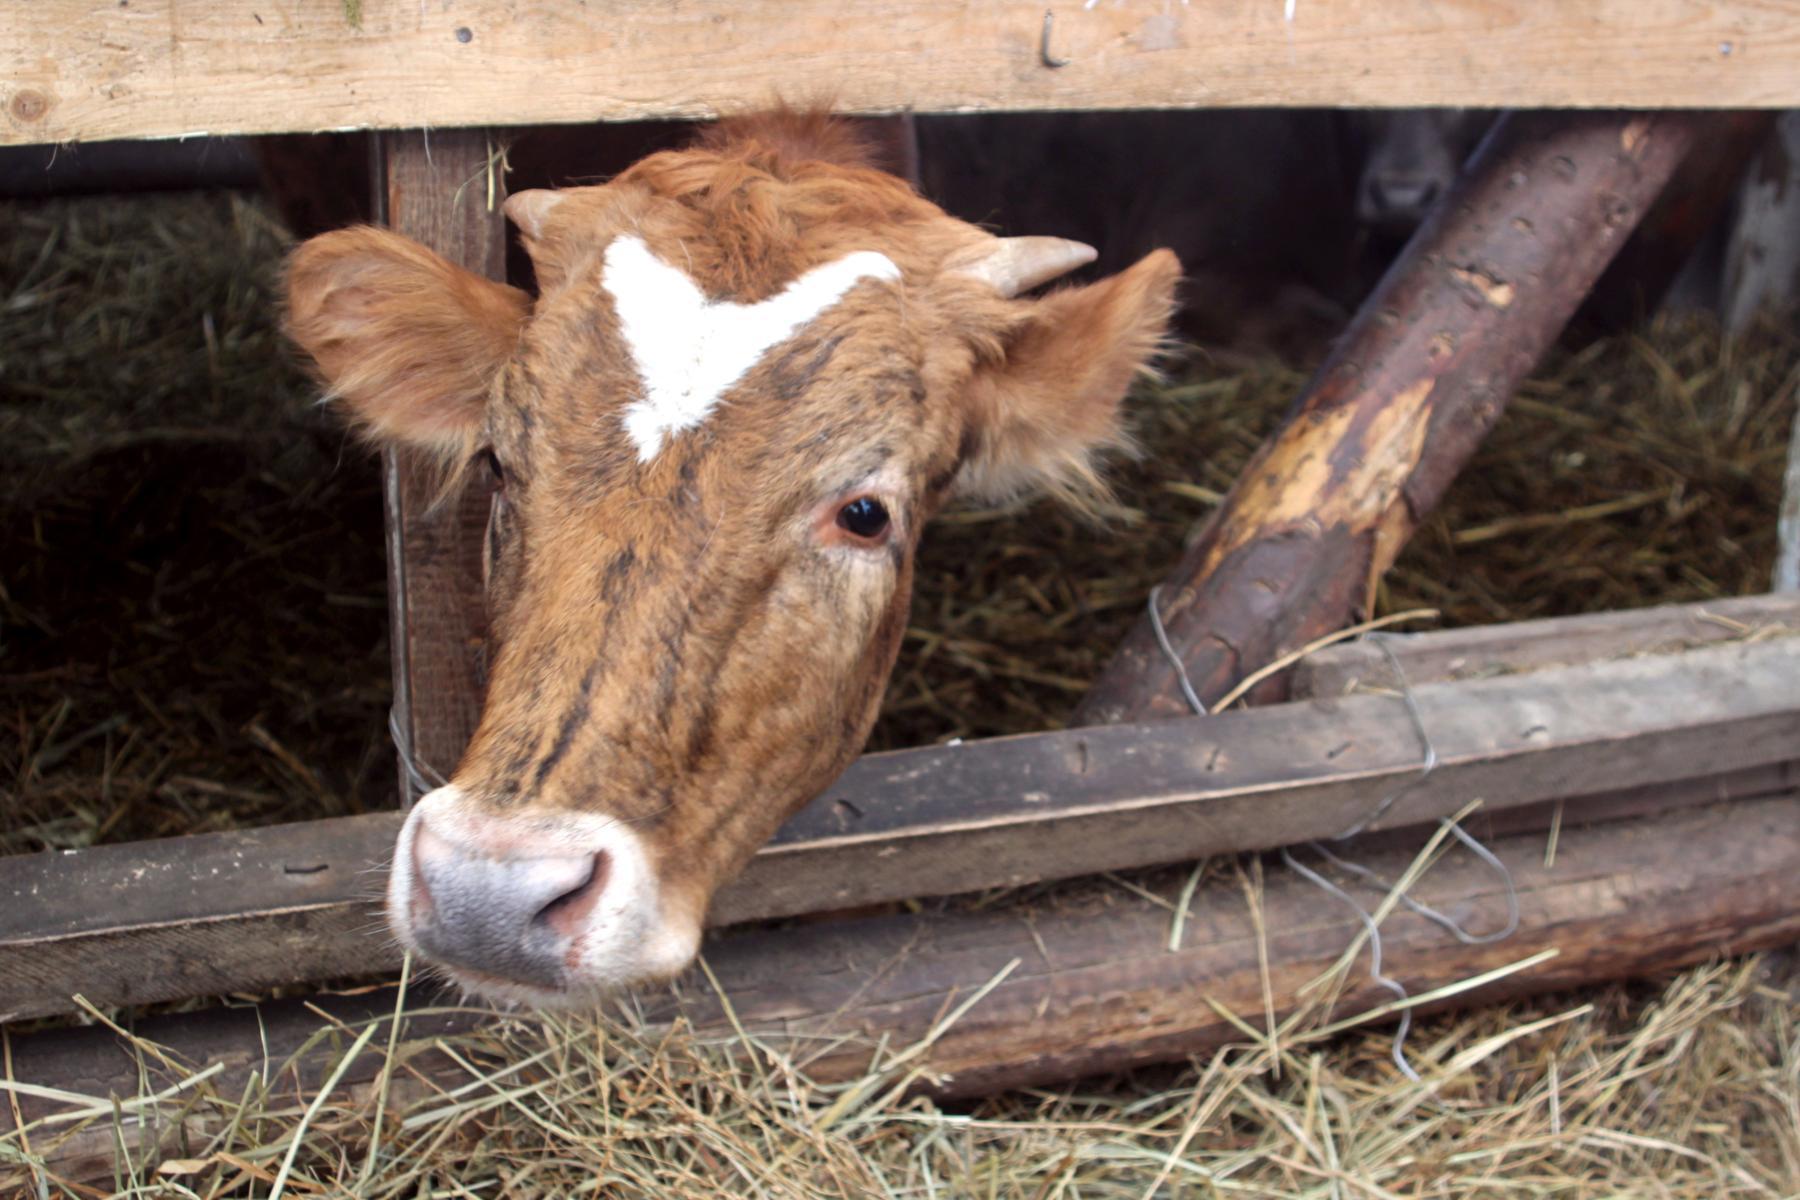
<point x="1419" y="378"/>
<point x="442" y="188"/>
<point x="1787" y="521"/>
<point x="1762" y="262"/>
<point x="897" y="138"/>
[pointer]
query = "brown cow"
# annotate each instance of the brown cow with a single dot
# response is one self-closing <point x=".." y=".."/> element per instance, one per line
<point x="756" y="368"/>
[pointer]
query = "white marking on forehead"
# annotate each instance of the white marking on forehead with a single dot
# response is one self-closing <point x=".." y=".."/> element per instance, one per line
<point x="689" y="349"/>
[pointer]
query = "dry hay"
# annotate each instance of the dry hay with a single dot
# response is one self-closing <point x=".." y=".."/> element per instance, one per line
<point x="194" y="637"/>
<point x="1685" y="1092"/>
<point x="193" y="623"/>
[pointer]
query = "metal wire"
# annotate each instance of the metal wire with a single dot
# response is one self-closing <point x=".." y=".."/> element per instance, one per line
<point x="1162" y="639"/>
<point x="1455" y="830"/>
<point x="1418" y="722"/>
<point x="1398" y="1051"/>
<point x="1428" y="764"/>
<point x="420" y="777"/>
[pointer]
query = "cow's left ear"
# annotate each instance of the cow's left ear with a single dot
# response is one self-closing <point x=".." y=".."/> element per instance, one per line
<point x="1052" y="400"/>
<point x="407" y="342"/>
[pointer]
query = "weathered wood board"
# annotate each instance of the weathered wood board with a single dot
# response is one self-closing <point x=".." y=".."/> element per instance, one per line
<point x="444" y="190"/>
<point x="1089" y="982"/>
<point x="221" y="912"/>
<point x="78" y="70"/>
<point x="1477" y="651"/>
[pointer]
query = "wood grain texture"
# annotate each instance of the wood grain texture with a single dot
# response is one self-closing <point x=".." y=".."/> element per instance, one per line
<point x="220" y="912"/>
<point x="1478" y="651"/>
<point x="1407" y="394"/>
<point x="73" y="70"/>
<point x="1097" y="988"/>
<point x="1091" y="984"/>
<point x="439" y="189"/>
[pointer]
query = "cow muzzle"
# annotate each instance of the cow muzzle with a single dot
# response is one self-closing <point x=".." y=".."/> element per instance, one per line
<point x="527" y="907"/>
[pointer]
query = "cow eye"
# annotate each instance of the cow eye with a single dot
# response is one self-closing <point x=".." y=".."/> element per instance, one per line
<point x="493" y="465"/>
<point x="865" y="517"/>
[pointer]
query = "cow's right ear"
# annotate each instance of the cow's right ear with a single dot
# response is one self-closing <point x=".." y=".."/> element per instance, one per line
<point x="408" y="342"/>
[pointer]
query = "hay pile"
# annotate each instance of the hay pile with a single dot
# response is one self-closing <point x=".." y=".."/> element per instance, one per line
<point x="193" y="621"/>
<point x="1690" y="1091"/>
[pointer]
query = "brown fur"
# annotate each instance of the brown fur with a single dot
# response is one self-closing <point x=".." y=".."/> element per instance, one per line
<point x="409" y="342"/>
<point x="691" y="644"/>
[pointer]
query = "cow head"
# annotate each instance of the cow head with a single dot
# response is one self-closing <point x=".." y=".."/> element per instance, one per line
<point x="754" y="370"/>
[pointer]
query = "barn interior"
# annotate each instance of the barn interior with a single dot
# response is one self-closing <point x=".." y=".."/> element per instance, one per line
<point x="194" y="630"/>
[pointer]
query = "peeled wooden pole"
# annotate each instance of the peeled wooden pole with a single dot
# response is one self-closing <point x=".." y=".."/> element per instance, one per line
<point x="1416" y="383"/>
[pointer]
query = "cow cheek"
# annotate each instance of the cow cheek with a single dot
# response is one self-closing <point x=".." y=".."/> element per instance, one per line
<point x="503" y="554"/>
<point x="795" y="709"/>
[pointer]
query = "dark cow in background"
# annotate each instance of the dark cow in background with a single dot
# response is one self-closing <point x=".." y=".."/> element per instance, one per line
<point x="1408" y="159"/>
<point x="1283" y="218"/>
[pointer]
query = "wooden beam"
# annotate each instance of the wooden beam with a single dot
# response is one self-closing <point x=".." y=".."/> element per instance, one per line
<point x="1411" y="389"/>
<point x="221" y="912"/>
<point x="443" y="189"/>
<point x="77" y="70"/>
<point x="1479" y="651"/>
<point x="1097" y="988"/>
<point x="1087" y="982"/>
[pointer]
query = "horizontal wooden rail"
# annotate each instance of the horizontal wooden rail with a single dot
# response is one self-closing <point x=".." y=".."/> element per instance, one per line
<point x="1098" y="989"/>
<point x="1083" y="987"/>
<point x="1479" y="651"/>
<point x="74" y="70"/>
<point x="220" y="912"/>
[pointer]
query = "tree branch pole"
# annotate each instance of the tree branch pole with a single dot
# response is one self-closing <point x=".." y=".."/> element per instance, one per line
<point x="1418" y="380"/>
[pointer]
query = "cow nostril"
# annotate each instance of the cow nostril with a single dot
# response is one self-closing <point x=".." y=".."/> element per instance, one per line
<point x="568" y="913"/>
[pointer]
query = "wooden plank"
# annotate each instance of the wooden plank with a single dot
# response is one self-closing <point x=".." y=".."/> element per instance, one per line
<point x="1787" y="520"/>
<point x="1090" y="985"/>
<point x="1409" y="391"/>
<point x="440" y="188"/>
<point x="269" y="906"/>
<point x="78" y="70"/>
<point x="941" y="820"/>
<point x="1475" y="651"/>
<point x="1098" y="990"/>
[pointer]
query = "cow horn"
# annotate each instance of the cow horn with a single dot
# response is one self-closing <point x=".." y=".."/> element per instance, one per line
<point x="1018" y="264"/>
<point x="528" y="209"/>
